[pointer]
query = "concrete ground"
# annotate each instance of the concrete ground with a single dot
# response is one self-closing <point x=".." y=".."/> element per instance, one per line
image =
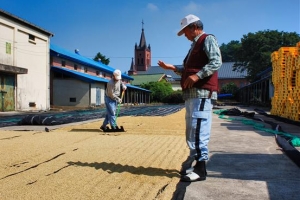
<point x="245" y="163"/>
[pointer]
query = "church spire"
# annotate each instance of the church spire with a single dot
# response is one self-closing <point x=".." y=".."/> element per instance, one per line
<point x="132" y="70"/>
<point x="142" y="55"/>
<point x="132" y="67"/>
<point x="143" y="43"/>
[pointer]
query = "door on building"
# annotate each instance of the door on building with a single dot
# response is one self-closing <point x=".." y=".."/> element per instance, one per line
<point x="7" y="92"/>
<point x="98" y="96"/>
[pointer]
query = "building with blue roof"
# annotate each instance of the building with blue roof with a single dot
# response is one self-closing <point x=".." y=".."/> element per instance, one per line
<point x="80" y="81"/>
<point x="34" y="78"/>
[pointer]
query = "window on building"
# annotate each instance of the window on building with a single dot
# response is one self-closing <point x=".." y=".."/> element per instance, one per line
<point x="97" y="73"/>
<point x="31" y="37"/>
<point x="8" y="48"/>
<point x="75" y="67"/>
<point x="63" y="63"/>
<point x="72" y="99"/>
<point x="32" y="104"/>
<point x="85" y="69"/>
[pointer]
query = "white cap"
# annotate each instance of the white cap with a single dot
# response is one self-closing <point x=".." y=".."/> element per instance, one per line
<point x="186" y="21"/>
<point x="117" y="74"/>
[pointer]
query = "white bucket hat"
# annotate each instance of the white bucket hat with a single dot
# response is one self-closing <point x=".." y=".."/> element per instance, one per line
<point x="117" y="74"/>
<point x="186" y="21"/>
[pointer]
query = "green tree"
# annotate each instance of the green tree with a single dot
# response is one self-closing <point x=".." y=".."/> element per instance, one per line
<point x="102" y="58"/>
<point x="159" y="90"/>
<point x="229" y="50"/>
<point x="229" y="88"/>
<point x="254" y="54"/>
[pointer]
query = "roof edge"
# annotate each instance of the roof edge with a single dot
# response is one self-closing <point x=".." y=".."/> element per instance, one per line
<point x="24" y="22"/>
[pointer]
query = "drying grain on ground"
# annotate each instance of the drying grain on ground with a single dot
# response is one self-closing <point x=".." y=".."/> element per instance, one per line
<point x="81" y="162"/>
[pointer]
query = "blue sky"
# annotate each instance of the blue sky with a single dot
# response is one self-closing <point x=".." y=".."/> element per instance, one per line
<point x="113" y="27"/>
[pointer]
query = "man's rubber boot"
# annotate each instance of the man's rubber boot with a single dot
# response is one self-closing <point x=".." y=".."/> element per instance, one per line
<point x="198" y="174"/>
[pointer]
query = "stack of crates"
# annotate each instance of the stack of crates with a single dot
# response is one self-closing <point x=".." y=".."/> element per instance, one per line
<point x="286" y="81"/>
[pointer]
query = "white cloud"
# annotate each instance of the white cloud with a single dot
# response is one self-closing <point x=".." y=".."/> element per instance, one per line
<point x="192" y="7"/>
<point x="152" y="7"/>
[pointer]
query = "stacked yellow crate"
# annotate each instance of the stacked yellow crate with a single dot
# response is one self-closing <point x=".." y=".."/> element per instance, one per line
<point x="286" y="81"/>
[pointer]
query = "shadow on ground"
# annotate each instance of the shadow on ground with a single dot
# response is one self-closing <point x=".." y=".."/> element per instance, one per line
<point x="118" y="168"/>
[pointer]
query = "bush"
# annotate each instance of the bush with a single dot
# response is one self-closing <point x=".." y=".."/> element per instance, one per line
<point x="229" y="88"/>
<point x="174" y="98"/>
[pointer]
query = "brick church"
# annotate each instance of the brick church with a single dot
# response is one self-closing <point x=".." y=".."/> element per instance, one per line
<point x="142" y="56"/>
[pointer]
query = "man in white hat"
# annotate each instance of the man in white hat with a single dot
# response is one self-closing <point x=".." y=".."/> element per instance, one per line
<point x="112" y="98"/>
<point x="199" y="82"/>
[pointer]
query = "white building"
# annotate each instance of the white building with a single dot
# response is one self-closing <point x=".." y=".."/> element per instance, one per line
<point x="24" y="65"/>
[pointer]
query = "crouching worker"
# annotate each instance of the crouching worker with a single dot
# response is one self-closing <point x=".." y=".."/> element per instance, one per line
<point x="112" y="98"/>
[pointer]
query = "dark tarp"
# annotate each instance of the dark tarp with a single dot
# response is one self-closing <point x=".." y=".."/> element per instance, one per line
<point x="38" y="120"/>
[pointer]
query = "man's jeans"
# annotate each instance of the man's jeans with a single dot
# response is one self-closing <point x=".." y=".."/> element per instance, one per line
<point x="110" y="117"/>
<point x="198" y="127"/>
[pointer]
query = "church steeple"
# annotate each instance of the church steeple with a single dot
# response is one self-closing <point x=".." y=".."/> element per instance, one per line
<point x="143" y="43"/>
<point x="132" y="70"/>
<point x="142" y="55"/>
